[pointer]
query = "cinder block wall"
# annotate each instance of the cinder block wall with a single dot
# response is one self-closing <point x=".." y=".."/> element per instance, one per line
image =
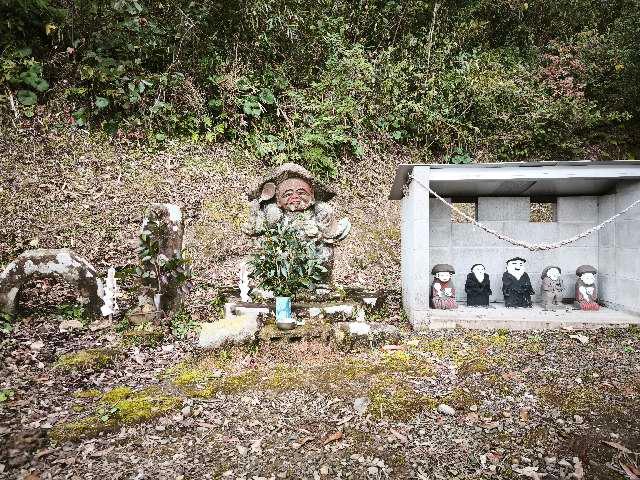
<point x="463" y="244"/>
<point x="619" y="249"/>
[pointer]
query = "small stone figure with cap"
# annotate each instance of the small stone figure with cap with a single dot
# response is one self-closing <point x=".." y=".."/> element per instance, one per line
<point x="478" y="287"/>
<point x="293" y="195"/>
<point x="516" y="285"/>
<point x="552" y="288"/>
<point x="443" y="293"/>
<point x="586" y="290"/>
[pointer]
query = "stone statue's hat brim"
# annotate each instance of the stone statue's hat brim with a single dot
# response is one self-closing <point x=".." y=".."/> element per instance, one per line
<point x="582" y="269"/>
<point x="292" y="170"/>
<point x="516" y="258"/>
<point x="442" y="267"/>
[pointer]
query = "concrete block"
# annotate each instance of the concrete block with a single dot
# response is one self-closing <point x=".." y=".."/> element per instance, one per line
<point x="420" y="204"/>
<point x="496" y="287"/>
<point x="439" y="211"/>
<point x="537" y="261"/>
<point x="464" y="258"/>
<point x="235" y="330"/>
<point x="420" y="299"/>
<point x="439" y="255"/>
<point x="578" y="209"/>
<point x="607" y="288"/>
<point x="606" y="207"/>
<point x="627" y="233"/>
<point x="439" y="234"/>
<point x="607" y="236"/>
<point x="606" y="261"/>
<point x="532" y="232"/>
<point x="569" y="229"/>
<point x="418" y="234"/>
<point x="627" y="294"/>
<point x="569" y="281"/>
<point x="571" y="258"/>
<point x="468" y="235"/>
<point x="503" y="208"/>
<point x="628" y="191"/>
<point x="627" y="264"/>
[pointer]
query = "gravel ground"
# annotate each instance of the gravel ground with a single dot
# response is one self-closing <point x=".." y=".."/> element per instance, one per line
<point x="446" y="405"/>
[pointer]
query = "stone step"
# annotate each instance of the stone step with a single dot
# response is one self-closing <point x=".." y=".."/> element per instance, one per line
<point x="523" y="319"/>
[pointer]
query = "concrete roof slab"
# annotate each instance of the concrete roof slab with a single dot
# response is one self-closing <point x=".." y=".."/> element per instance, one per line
<point x="520" y="179"/>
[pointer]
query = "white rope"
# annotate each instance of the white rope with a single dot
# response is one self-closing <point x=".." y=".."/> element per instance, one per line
<point x="529" y="246"/>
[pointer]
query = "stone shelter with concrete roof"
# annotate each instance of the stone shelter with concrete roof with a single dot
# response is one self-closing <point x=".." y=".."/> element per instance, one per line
<point x="581" y="195"/>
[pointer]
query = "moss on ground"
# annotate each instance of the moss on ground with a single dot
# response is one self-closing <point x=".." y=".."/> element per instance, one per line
<point x="406" y="362"/>
<point x="90" y="393"/>
<point x="397" y="401"/>
<point x="202" y="383"/>
<point x="535" y="437"/>
<point x="93" y="358"/>
<point x="471" y="366"/>
<point x="139" y="337"/>
<point x="116" y="394"/>
<point x="285" y="377"/>
<point x="383" y="377"/>
<point x="462" y="398"/>
<point x="118" y="407"/>
<point x="579" y="399"/>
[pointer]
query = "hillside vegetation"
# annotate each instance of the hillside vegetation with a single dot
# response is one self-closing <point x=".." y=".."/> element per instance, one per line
<point x="318" y="82"/>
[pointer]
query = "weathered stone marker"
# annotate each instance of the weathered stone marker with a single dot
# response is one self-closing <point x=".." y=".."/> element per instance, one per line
<point x="62" y="264"/>
<point x="161" y="257"/>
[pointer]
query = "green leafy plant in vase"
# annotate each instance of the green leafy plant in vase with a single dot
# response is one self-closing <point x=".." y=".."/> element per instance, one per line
<point x="286" y="264"/>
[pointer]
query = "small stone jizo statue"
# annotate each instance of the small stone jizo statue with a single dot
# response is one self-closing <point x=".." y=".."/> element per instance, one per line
<point x="552" y="288"/>
<point x="443" y="293"/>
<point x="586" y="290"/>
<point x="516" y="284"/>
<point x="478" y="287"/>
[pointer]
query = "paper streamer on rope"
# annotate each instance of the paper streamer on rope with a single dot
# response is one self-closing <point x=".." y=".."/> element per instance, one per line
<point x="534" y="247"/>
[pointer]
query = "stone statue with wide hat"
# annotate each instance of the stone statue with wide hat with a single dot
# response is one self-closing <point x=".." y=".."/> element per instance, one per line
<point x="586" y="289"/>
<point x="291" y="194"/>
<point x="443" y="293"/>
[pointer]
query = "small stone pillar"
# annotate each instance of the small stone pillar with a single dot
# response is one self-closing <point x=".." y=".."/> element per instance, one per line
<point x="162" y="232"/>
<point x="416" y="269"/>
<point x="62" y="264"/>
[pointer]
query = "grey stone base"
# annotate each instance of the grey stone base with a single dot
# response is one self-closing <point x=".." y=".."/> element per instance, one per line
<point x="519" y="318"/>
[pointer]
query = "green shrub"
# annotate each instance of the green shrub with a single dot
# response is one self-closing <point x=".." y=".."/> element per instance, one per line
<point x="285" y="264"/>
<point x="313" y="82"/>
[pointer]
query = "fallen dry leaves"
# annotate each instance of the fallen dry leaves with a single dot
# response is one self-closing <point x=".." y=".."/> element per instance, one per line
<point x="334" y="437"/>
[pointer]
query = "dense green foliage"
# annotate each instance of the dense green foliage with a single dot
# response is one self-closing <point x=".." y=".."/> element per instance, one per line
<point x="286" y="264"/>
<point x="311" y="82"/>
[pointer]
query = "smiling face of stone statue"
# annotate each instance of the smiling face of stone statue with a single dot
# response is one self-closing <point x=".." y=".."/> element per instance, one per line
<point x="294" y="195"/>
<point x="553" y="274"/>
<point x="588" y="278"/>
<point x="443" y="276"/>
<point x="478" y="271"/>
<point x="516" y="268"/>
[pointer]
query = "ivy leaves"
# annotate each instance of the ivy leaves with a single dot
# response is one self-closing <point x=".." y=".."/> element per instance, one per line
<point x="22" y="70"/>
<point x="27" y="97"/>
<point x="253" y="105"/>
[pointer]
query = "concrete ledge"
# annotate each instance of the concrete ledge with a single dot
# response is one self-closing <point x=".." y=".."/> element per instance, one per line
<point x="520" y="318"/>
